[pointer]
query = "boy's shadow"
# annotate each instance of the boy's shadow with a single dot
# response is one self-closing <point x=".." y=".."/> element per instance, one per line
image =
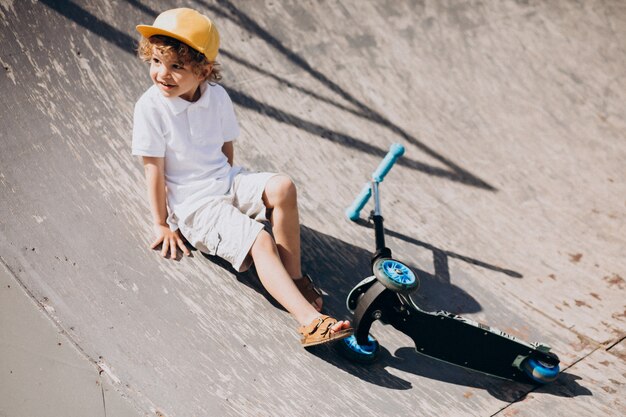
<point x="336" y="266"/>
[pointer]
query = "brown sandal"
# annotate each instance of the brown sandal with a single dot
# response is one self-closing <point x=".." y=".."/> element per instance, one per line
<point x="309" y="291"/>
<point x="319" y="332"/>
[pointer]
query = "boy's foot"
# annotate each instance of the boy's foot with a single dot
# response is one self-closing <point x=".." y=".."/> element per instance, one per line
<point x="324" y="329"/>
<point x="309" y="291"/>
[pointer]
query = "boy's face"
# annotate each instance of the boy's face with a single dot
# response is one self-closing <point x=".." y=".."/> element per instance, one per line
<point x="173" y="77"/>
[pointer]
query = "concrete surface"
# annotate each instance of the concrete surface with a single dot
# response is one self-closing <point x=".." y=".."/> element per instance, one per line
<point x="510" y="201"/>
<point x="42" y="372"/>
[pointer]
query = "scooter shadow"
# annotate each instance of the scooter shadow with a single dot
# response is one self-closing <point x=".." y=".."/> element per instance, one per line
<point x="338" y="266"/>
<point x="407" y="360"/>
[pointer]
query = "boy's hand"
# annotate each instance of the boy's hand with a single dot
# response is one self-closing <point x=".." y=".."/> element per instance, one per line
<point x="170" y="240"/>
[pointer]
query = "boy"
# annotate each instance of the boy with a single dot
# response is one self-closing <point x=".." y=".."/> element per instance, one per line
<point x="184" y="128"/>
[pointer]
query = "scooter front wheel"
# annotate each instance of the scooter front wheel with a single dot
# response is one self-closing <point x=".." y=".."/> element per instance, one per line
<point x="365" y="354"/>
<point x="395" y="275"/>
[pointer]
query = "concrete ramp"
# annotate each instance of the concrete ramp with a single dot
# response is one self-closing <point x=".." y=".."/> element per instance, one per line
<point x="510" y="201"/>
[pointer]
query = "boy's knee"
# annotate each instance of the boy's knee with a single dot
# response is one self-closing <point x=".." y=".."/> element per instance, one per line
<point x="281" y="190"/>
<point x="264" y="243"/>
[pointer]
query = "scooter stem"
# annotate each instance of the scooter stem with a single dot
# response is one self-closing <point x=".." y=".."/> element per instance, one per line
<point x="381" y="250"/>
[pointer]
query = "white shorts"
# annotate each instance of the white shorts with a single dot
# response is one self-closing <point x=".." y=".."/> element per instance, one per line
<point x="228" y="225"/>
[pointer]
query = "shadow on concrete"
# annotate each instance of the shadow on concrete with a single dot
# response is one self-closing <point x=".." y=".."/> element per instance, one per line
<point x="434" y="293"/>
<point x="228" y="10"/>
<point x="142" y="7"/>
<point x="407" y="360"/>
<point x="441" y="256"/>
<point x="225" y="9"/>
<point x="337" y="266"/>
<point x="87" y="20"/>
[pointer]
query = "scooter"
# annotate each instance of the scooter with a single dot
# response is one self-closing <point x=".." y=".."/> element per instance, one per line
<point x="445" y="336"/>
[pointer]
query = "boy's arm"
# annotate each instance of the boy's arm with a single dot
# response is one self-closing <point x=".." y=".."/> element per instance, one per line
<point x="229" y="150"/>
<point x="155" y="178"/>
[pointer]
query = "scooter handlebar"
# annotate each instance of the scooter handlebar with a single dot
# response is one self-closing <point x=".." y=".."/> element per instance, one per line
<point x="395" y="152"/>
<point x="357" y="205"/>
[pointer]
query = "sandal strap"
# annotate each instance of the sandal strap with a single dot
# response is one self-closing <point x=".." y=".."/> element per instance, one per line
<point x="319" y="331"/>
<point x="316" y="324"/>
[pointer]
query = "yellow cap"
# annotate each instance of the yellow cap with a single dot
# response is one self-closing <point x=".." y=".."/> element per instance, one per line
<point x="188" y="26"/>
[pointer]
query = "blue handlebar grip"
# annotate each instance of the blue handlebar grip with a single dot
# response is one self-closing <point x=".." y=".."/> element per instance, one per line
<point x="353" y="211"/>
<point x="395" y="152"/>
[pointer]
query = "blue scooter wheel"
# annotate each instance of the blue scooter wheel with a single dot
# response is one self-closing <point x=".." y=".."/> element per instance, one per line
<point x="395" y="275"/>
<point x="539" y="372"/>
<point x="364" y="354"/>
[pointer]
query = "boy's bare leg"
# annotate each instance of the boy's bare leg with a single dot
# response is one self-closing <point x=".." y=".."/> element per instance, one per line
<point x="279" y="284"/>
<point x="280" y="197"/>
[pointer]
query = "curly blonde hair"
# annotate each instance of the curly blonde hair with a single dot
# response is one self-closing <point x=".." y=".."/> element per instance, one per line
<point x="173" y="47"/>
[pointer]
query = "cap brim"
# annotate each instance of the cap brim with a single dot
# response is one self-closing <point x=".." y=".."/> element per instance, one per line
<point x="146" y="31"/>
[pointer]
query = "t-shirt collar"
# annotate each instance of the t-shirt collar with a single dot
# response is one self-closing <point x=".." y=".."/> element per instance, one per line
<point x="177" y="105"/>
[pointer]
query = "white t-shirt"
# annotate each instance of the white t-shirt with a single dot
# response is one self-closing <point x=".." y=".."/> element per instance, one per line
<point x="190" y="137"/>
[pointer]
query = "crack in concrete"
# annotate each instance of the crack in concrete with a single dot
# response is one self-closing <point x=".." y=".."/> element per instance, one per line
<point x="104" y="403"/>
<point x="616" y="343"/>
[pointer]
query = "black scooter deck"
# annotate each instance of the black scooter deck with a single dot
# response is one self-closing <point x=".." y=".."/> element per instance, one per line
<point x="447" y="337"/>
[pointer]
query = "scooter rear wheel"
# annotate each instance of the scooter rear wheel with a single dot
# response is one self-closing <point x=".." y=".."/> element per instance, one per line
<point x="538" y="371"/>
